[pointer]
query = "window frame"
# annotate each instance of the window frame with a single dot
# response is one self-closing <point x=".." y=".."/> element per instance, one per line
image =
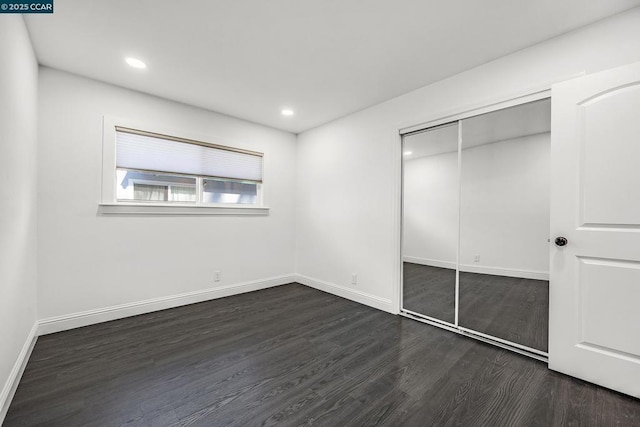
<point x="167" y="184"/>
<point x="109" y="204"/>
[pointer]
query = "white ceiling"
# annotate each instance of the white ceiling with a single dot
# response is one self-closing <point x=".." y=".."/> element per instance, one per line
<point x="322" y="58"/>
<point x="501" y="125"/>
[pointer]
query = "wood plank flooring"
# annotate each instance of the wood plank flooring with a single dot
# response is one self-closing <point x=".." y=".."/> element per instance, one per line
<point x="429" y="290"/>
<point x="292" y="356"/>
<point x="510" y="308"/>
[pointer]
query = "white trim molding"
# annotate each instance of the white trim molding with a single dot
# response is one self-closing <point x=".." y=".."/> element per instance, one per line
<point x="139" y="209"/>
<point x="11" y="385"/>
<point x="91" y="317"/>
<point x="481" y="269"/>
<point x="508" y="272"/>
<point x="430" y="262"/>
<point x="383" y="304"/>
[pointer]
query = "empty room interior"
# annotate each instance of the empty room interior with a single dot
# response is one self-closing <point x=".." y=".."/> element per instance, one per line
<point x="335" y="213"/>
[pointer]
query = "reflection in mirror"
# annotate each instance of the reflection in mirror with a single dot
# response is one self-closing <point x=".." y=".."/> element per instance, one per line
<point x="430" y="221"/>
<point x="504" y="224"/>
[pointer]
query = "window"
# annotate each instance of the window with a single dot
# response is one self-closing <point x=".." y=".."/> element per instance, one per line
<point x="157" y="169"/>
<point x="154" y="187"/>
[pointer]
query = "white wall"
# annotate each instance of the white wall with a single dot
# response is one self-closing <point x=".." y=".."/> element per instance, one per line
<point x="18" y="171"/>
<point x="348" y="170"/>
<point x="430" y="211"/>
<point x="504" y="206"/>
<point x="90" y="261"/>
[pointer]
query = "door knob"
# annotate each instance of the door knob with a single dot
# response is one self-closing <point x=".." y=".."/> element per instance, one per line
<point x="561" y="241"/>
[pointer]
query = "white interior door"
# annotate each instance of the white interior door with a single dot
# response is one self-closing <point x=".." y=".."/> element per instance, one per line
<point x="594" y="329"/>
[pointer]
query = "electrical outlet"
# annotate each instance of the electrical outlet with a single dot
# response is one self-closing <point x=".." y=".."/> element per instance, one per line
<point x="217" y="275"/>
<point x="476" y="258"/>
<point x="354" y="279"/>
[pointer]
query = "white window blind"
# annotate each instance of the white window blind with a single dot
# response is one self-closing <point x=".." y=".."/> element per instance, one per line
<point x="160" y="153"/>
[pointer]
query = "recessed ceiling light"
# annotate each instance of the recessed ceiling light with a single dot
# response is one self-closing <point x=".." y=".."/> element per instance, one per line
<point x="135" y="63"/>
<point x="287" y="112"/>
<point x="408" y="153"/>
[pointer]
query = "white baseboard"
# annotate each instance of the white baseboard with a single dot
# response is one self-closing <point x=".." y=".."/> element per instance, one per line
<point x="429" y="262"/>
<point x="90" y="317"/>
<point x="508" y="272"/>
<point x="348" y="293"/>
<point x="85" y="318"/>
<point x="482" y="269"/>
<point x="11" y="385"/>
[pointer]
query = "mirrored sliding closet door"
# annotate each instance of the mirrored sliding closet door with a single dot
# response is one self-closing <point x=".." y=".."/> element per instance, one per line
<point x="504" y="224"/>
<point x="476" y="225"/>
<point x="430" y="222"/>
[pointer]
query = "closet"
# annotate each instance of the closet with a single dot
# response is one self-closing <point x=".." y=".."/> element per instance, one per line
<point x="475" y="226"/>
<point x="520" y="225"/>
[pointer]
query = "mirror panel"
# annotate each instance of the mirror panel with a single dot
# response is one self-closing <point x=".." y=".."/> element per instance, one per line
<point x="504" y="224"/>
<point x="430" y="221"/>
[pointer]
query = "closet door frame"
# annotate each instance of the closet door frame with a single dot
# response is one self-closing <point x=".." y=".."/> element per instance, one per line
<point x="445" y="118"/>
<point x="405" y="311"/>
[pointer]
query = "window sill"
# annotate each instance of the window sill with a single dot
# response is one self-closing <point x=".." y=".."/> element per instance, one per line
<point x="140" y="209"/>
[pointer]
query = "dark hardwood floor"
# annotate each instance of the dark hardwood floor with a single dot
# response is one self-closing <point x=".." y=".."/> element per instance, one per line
<point x="510" y="308"/>
<point x="293" y="356"/>
<point x="429" y="290"/>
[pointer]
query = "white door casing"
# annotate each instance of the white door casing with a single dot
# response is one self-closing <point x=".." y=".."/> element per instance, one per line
<point x="594" y="313"/>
